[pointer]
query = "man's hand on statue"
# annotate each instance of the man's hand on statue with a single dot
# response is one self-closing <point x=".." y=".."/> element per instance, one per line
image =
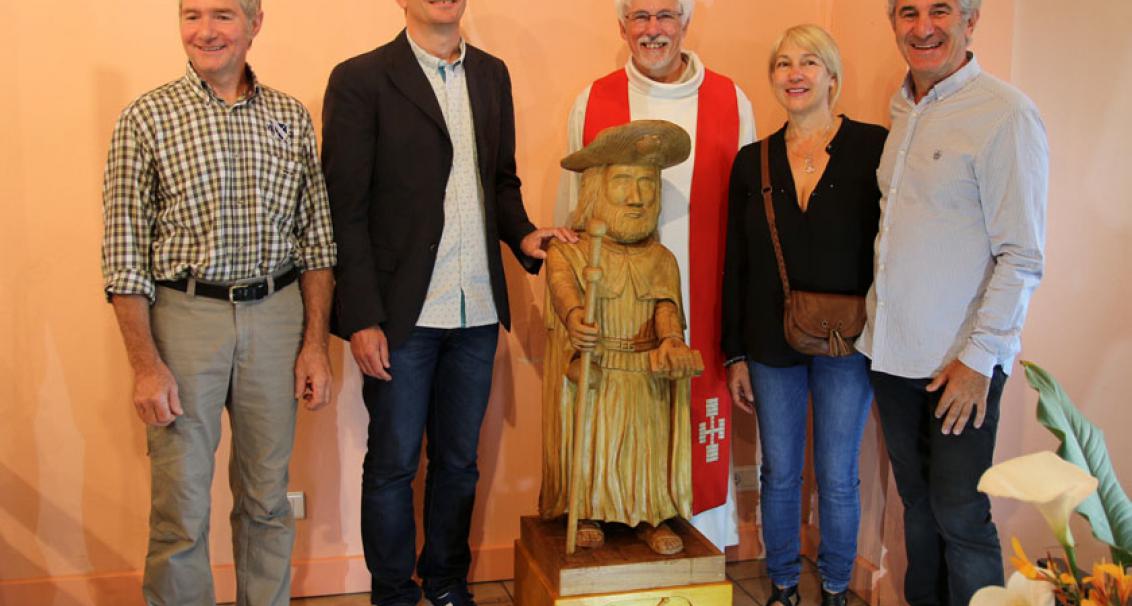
<point x="534" y="244"/>
<point x="677" y="358"/>
<point x="739" y="384"/>
<point x="582" y="336"/>
<point x="371" y="352"/>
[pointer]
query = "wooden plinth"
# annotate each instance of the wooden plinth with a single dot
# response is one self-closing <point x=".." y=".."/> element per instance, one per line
<point x="622" y="572"/>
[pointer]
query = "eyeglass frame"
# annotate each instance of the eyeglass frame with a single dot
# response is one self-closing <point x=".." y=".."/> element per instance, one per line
<point x="643" y="18"/>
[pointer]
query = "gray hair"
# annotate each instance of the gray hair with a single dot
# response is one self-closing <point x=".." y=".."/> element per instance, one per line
<point x="966" y="7"/>
<point x="686" y="9"/>
<point x="251" y="7"/>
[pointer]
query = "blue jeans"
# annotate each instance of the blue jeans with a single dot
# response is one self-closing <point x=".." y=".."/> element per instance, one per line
<point x="440" y="388"/>
<point x="841" y="398"/>
<point x="952" y="542"/>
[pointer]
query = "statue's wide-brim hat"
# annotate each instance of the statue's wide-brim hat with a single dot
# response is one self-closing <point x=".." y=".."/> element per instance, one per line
<point x="658" y="143"/>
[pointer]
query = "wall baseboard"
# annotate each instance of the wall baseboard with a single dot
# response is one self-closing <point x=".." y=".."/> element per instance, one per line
<point x="750" y="545"/>
<point x="312" y="577"/>
<point x="348" y="574"/>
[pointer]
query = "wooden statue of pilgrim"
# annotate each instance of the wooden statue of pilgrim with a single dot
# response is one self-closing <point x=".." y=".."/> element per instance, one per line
<point x="635" y="438"/>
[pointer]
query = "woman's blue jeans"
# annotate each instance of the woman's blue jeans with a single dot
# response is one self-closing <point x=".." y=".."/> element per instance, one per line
<point x="841" y="399"/>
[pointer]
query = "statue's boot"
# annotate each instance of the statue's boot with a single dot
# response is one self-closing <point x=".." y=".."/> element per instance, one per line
<point x="660" y="538"/>
<point x="589" y="534"/>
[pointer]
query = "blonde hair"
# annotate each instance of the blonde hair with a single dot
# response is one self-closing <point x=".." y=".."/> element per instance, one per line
<point x="817" y="41"/>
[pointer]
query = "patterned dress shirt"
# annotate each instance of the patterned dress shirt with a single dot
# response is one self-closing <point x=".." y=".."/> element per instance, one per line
<point x="459" y="292"/>
<point x="963" y="182"/>
<point x="196" y="187"/>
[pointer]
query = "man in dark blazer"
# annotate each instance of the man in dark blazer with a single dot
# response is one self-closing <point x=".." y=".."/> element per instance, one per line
<point x="419" y="156"/>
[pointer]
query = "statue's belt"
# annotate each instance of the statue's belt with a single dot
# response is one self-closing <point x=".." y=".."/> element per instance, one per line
<point x="629" y="345"/>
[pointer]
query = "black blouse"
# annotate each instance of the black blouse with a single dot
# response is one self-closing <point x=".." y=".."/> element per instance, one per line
<point x="828" y="248"/>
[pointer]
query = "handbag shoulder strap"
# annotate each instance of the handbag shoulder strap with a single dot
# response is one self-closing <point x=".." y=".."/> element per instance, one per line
<point x="770" y="220"/>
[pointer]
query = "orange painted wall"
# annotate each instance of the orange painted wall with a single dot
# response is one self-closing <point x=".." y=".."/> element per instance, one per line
<point x="1076" y="328"/>
<point x="73" y="473"/>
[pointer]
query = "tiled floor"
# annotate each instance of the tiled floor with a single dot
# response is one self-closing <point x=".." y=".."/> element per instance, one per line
<point x="751" y="588"/>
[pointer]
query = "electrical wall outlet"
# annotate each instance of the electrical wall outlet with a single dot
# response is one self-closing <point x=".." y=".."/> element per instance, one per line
<point x="298" y="503"/>
<point x="746" y="477"/>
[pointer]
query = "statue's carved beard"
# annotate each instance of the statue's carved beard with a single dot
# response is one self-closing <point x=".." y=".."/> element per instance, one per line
<point x="630" y="229"/>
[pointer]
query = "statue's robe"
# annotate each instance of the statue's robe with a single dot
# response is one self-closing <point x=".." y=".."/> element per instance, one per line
<point x="636" y="462"/>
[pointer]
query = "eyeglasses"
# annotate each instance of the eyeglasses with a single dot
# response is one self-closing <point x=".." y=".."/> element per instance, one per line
<point x="664" y="18"/>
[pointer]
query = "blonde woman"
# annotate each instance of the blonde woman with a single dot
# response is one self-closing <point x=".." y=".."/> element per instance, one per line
<point x="823" y="179"/>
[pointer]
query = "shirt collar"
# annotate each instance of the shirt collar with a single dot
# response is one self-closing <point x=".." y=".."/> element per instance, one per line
<point x="202" y="89"/>
<point x="432" y="62"/>
<point x="948" y="86"/>
<point x="688" y="84"/>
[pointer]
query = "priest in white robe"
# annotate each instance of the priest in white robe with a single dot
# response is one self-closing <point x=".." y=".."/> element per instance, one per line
<point x="663" y="81"/>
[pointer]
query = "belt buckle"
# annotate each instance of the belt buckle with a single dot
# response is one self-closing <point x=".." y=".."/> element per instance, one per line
<point x="236" y="293"/>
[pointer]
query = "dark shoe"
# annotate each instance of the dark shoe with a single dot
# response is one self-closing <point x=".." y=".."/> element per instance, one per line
<point x="833" y="599"/>
<point x="786" y="596"/>
<point x="456" y="596"/>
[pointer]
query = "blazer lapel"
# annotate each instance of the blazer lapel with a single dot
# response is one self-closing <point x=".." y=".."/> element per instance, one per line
<point x="411" y="81"/>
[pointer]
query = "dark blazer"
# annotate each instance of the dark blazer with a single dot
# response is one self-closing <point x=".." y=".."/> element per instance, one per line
<point x="387" y="156"/>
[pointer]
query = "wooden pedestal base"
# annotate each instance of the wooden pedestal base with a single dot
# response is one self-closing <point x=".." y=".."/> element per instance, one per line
<point x="624" y="572"/>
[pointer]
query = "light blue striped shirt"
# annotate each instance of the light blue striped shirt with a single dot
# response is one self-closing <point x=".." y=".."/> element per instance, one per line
<point x="964" y="179"/>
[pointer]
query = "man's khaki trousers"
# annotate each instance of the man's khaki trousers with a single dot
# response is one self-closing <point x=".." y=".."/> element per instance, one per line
<point x="240" y="357"/>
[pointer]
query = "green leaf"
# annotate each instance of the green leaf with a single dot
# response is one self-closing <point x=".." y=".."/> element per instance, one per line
<point x="1109" y="511"/>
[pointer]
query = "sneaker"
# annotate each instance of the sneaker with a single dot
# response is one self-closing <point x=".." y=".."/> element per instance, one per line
<point x="786" y="596"/>
<point x="829" y="598"/>
<point x="456" y="596"/>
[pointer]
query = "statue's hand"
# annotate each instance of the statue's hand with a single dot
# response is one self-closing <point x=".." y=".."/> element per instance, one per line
<point x="582" y="336"/>
<point x="677" y="358"/>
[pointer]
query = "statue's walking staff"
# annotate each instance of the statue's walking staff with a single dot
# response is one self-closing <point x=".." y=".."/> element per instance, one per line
<point x="596" y="230"/>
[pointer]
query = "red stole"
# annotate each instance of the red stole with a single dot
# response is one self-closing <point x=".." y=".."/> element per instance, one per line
<point x="717" y="141"/>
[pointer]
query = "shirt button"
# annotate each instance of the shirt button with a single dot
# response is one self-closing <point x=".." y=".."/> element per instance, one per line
<point x="432" y="248"/>
<point x="881" y="268"/>
<point x="880" y="303"/>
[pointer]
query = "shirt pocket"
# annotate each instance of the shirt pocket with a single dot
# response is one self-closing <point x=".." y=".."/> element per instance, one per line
<point x="950" y="183"/>
<point x="277" y="187"/>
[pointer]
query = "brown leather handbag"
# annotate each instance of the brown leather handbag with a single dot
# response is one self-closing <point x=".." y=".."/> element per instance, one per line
<point x="814" y="323"/>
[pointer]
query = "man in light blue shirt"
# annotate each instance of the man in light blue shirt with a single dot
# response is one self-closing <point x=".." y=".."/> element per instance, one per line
<point x="964" y="179"/>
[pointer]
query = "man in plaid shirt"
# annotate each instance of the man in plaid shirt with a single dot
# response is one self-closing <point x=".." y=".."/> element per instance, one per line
<point x="214" y="205"/>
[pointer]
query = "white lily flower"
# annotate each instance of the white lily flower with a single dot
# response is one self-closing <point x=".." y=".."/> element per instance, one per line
<point x="1019" y="591"/>
<point x="1055" y="486"/>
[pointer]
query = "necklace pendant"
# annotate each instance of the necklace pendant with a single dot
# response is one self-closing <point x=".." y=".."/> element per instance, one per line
<point x="809" y="167"/>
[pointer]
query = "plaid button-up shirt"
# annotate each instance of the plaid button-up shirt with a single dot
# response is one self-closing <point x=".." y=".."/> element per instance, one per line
<point x="196" y="187"/>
